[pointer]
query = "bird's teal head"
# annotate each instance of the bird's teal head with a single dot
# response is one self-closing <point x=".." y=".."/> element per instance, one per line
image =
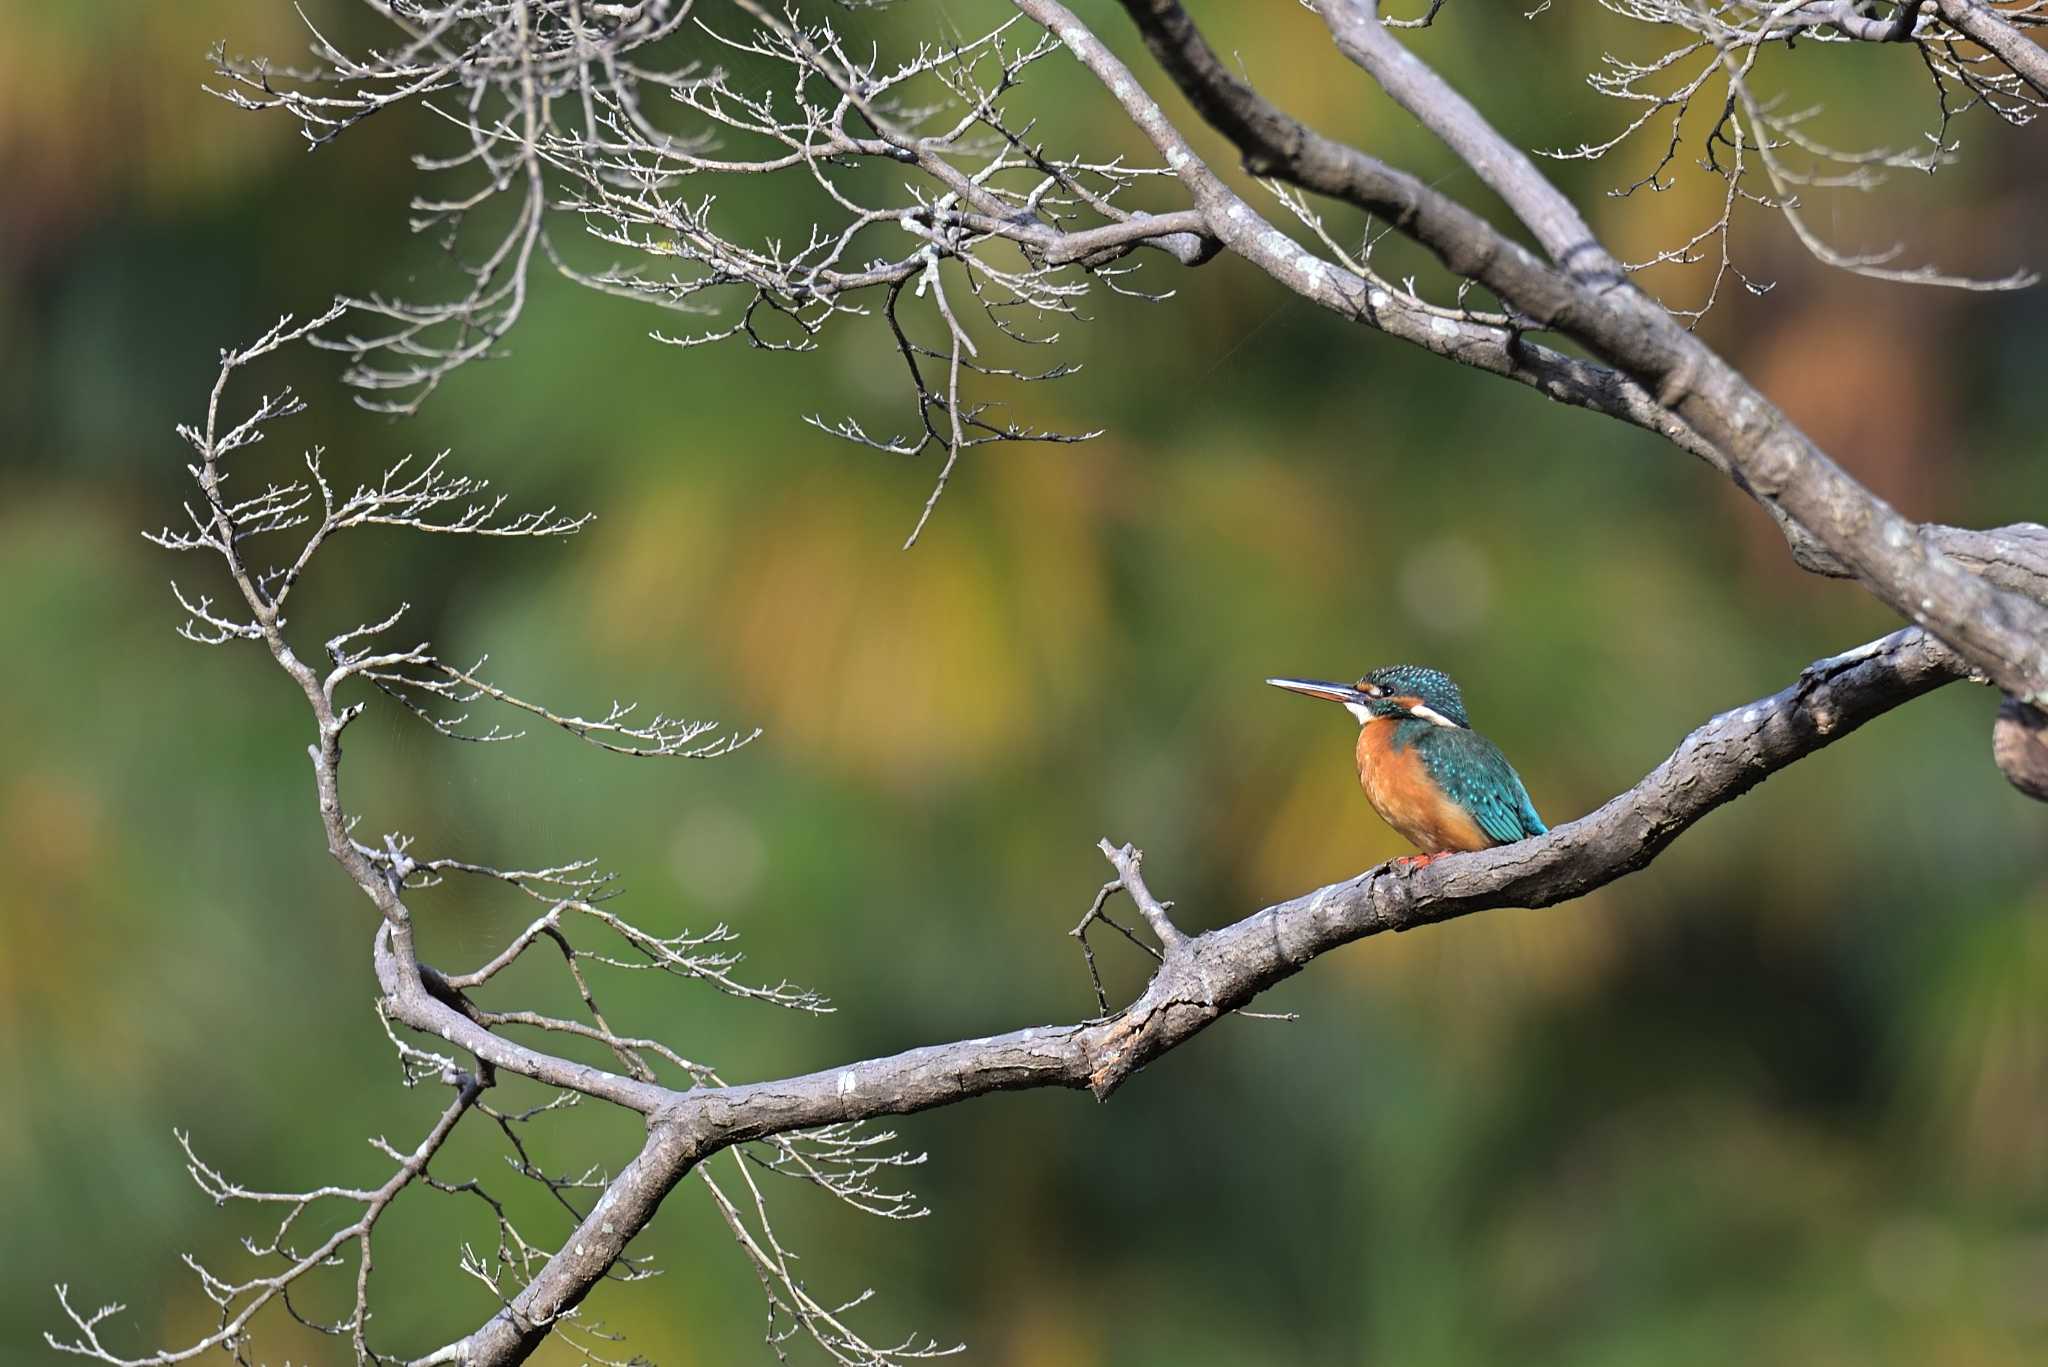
<point x="1391" y="691"/>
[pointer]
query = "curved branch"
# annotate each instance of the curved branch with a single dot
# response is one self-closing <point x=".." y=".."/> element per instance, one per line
<point x="1278" y="146"/>
<point x="1300" y="157"/>
<point x="1203" y="978"/>
<point x="1583" y="293"/>
<point x="2001" y="633"/>
<point x="1666" y="379"/>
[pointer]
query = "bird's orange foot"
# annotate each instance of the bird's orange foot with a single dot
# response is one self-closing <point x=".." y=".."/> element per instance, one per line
<point x="1411" y="862"/>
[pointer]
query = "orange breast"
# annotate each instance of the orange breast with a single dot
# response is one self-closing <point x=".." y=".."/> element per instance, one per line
<point x="1400" y="791"/>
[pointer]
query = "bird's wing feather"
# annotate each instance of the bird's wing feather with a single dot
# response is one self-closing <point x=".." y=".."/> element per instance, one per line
<point x="1477" y="776"/>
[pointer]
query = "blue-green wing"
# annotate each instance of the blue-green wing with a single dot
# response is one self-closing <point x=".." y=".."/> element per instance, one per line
<point x="1477" y="776"/>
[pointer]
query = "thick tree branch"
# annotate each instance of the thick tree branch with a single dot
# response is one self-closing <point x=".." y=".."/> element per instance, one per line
<point x="2003" y="634"/>
<point x="2014" y="557"/>
<point x="1203" y="978"/>
<point x="1328" y="167"/>
<point x="2019" y="744"/>
<point x="1583" y="293"/>
<point x="1699" y="401"/>
<point x="1988" y="27"/>
<point x="1277" y="146"/>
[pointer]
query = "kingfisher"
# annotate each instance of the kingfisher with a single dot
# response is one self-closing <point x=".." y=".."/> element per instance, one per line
<point x="1428" y="774"/>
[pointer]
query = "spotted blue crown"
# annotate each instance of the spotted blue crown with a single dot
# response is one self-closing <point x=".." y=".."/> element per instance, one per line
<point x="1433" y="686"/>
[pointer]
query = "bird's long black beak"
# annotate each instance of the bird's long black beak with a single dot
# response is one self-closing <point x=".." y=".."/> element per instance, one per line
<point x="1320" y="688"/>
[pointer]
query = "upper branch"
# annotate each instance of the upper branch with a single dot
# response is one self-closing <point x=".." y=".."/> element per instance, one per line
<point x="619" y="143"/>
<point x="1995" y="30"/>
<point x="1583" y="293"/>
<point x="2004" y="634"/>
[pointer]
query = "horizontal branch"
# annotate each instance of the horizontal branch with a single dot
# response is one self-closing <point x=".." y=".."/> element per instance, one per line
<point x="1203" y="978"/>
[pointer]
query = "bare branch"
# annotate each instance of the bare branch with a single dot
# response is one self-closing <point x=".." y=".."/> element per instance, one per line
<point x="1210" y="975"/>
<point x="944" y="219"/>
<point x="625" y="126"/>
<point x="1999" y="32"/>
<point x="2000" y="633"/>
<point x="1711" y="73"/>
<point x="239" y="1301"/>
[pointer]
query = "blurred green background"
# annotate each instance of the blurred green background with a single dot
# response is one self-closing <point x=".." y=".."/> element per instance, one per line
<point x="1783" y="1097"/>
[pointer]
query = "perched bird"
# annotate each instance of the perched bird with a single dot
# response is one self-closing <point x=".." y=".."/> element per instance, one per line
<point x="1427" y="773"/>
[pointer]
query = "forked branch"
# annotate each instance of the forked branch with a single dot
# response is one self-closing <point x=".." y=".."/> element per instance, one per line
<point x="552" y="103"/>
<point x="1202" y="978"/>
